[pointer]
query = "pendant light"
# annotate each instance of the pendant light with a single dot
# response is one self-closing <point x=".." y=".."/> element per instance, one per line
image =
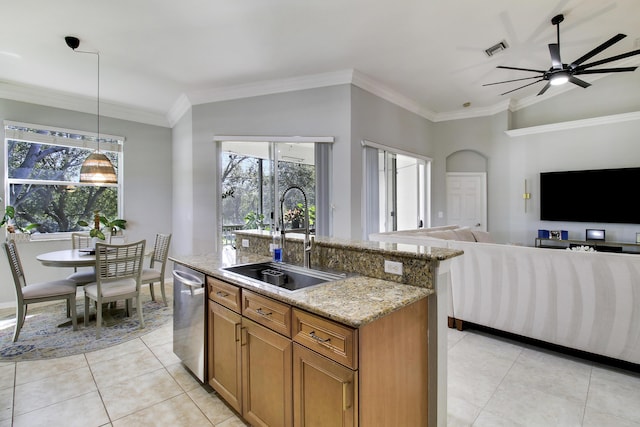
<point x="97" y="168"/>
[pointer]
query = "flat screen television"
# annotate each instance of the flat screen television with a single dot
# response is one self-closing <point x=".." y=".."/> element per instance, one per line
<point x="598" y="195"/>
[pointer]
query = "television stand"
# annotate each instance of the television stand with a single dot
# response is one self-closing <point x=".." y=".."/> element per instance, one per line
<point x="598" y="245"/>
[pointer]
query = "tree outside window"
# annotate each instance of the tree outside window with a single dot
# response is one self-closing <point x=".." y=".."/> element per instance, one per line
<point x="43" y="182"/>
<point x="249" y="194"/>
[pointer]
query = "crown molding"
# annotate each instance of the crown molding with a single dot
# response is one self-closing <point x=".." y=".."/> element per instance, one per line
<point x="248" y="90"/>
<point x="575" y="124"/>
<point x="178" y="109"/>
<point x="369" y="84"/>
<point x="269" y="87"/>
<point x="57" y="99"/>
<point x="469" y="113"/>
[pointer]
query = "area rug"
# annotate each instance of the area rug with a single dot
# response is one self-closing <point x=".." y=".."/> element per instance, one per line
<point x="42" y="338"/>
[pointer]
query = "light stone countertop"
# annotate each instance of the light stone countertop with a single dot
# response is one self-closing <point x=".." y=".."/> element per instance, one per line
<point x="353" y="301"/>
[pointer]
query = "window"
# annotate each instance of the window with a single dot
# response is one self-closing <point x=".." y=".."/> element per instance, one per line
<point x="42" y="177"/>
<point x="397" y="189"/>
<point x="251" y="190"/>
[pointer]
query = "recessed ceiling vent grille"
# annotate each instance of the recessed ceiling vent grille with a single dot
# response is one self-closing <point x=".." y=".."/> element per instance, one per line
<point x="498" y="47"/>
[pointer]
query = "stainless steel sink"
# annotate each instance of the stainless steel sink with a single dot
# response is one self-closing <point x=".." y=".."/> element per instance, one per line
<point x="282" y="275"/>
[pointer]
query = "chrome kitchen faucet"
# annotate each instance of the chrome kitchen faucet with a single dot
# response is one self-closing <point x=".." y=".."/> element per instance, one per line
<point x="307" y="241"/>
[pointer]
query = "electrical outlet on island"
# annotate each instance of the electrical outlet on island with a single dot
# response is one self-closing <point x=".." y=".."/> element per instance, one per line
<point x="393" y="267"/>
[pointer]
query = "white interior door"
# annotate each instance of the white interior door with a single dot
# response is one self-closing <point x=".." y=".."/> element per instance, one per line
<point x="467" y="199"/>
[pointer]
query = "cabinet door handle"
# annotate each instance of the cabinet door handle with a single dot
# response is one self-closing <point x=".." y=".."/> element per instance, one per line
<point x="346" y="404"/>
<point x="313" y="335"/>
<point x="238" y="330"/>
<point x="222" y="294"/>
<point x="243" y="340"/>
<point x="263" y="313"/>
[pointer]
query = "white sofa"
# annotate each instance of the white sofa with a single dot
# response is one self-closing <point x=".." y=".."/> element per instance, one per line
<point x="581" y="300"/>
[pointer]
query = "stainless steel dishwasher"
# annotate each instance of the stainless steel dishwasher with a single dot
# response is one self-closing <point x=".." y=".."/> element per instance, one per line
<point x="189" y="295"/>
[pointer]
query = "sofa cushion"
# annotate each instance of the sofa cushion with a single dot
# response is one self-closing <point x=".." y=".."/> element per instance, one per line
<point x="482" y="236"/>
<point x="465" y="235"/>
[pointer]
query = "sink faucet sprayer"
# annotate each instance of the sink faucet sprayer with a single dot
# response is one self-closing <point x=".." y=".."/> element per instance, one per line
<point x="307" y="241"/>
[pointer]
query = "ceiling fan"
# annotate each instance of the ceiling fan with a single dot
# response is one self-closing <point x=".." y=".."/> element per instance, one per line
<point x="561" y="73"/>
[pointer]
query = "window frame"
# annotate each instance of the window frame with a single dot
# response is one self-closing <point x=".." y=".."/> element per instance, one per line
<point x="43" y="134"/>
<point x="323" y="146"/>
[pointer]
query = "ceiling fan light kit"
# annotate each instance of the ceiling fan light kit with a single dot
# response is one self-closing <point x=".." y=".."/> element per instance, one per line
<point x="559" y="79"/>
<point x="561" y="73"/>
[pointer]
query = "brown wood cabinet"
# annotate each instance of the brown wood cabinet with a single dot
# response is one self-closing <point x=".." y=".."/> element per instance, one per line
<point x="250" y="365"/>
<point x="266" y="376"/>
<point x="325" y="393"/>
<point x="282" y="366"/>
<point x="224" y="354"/>
<point x="388" y="357"/>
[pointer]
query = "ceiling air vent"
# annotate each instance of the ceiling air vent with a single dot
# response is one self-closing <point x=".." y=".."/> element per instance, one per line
<point x="496" y="48"/>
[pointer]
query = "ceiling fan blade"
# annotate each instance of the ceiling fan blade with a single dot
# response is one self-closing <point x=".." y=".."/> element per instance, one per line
<point x="611" y="59"/>
<point x="509" y="81"/>
<point x="554" y="50"/>
<point x="529" y="84"/>
<point x="613" y="40"/>
<point x="521" y="69"/>
<point x="544" y="89"/>
<point x="577" y="81"/>
<point x="606" y="70"/>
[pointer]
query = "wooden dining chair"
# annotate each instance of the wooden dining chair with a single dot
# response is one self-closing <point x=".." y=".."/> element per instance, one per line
<point x="118" y="271"/>
<point x="82" y="277"/>
<point x="155" y="272"/>
<point x="53" y="290"/>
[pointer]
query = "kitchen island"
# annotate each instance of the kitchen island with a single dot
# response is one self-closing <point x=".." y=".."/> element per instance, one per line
<point x="373" y="338"/>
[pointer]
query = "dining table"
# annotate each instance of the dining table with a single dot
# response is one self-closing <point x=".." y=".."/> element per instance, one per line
<point x="68" y="258"/>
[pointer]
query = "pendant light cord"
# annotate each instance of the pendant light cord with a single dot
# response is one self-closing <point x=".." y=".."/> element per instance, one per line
<point x="96" y="168"/>
<point x="98" y="94"/>
<point x="98" y="141"/>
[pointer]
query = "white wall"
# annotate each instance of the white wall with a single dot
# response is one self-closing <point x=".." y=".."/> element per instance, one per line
<point x="182" y="159"/>
<point x="313" y="112"/>
<point x="147" y="183"/>
<point x="351" y="114"/>
<point x="377" y="120"/>
<point x="511" y="160"/>
<point x="605" y="146"/>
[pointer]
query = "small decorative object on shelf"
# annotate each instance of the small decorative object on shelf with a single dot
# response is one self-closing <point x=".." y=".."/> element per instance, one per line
<point x="15" y="231"/>
<point x="19" y="237"/>
<point x="558" y="234"/>
<point x="581" y="248"/>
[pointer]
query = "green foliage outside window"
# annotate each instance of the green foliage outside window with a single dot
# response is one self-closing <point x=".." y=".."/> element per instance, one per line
<point x="247" y="188"/>
<point x="44" y="188"/>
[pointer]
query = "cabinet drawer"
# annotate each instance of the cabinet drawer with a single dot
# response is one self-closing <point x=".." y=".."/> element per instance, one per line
<point x="224" y="294"/>
<point x="331" y="339"/>
<point x="267" y="312"/>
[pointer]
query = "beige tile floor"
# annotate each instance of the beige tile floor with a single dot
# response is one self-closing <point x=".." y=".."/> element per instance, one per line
<point x="137" y="383"/>
<point x="497" y="382"/>
<point x="492" y="382"/>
